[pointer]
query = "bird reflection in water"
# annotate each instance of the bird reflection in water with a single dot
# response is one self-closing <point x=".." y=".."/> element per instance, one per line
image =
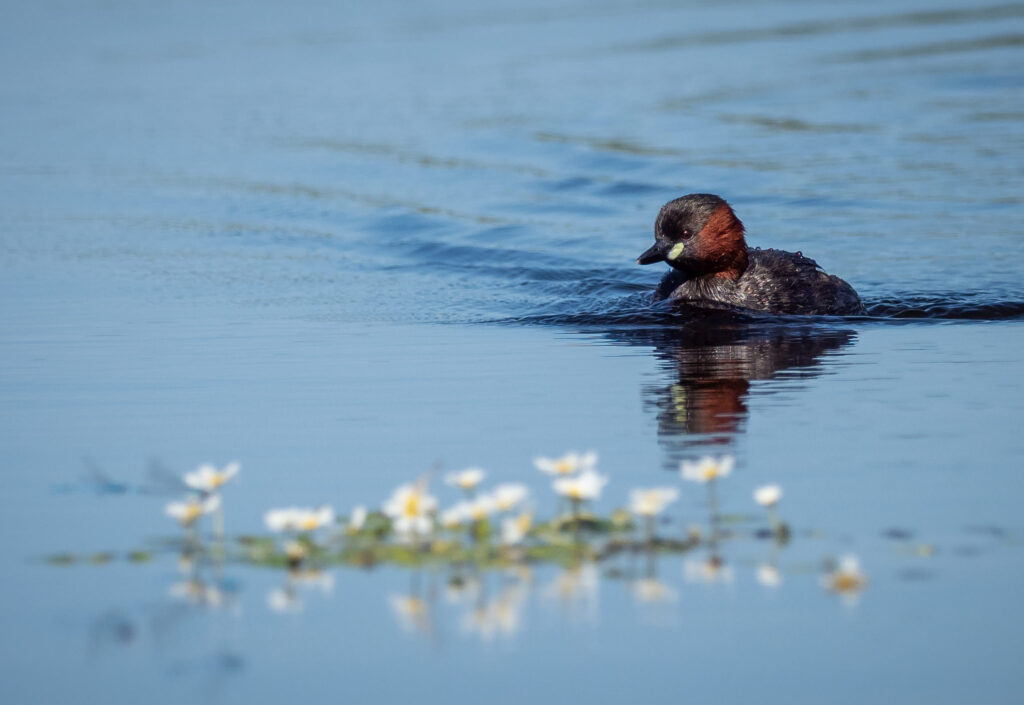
<point x="712" y="359"/>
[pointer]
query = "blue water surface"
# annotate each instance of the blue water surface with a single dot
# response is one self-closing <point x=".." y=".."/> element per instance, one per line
<point x="343" y="242"/>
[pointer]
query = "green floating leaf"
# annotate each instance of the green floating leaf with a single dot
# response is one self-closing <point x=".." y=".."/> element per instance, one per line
<point x="738" y="518"/>
<point x="61" y="559"/>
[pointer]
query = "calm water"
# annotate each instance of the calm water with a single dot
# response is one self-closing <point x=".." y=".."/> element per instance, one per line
<point x="341" y="244"/>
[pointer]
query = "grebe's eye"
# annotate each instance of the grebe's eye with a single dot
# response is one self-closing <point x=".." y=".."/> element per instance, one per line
<point x="686" y="234"/>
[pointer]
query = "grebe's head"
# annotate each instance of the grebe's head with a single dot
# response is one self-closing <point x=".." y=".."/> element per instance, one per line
<point x="699" y="234"/>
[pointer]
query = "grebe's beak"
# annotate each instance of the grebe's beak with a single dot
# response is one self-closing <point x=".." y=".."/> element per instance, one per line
<point x="655" y="254"/>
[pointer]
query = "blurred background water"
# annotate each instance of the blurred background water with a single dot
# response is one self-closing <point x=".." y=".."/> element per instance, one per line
<point x="342" y="241"/>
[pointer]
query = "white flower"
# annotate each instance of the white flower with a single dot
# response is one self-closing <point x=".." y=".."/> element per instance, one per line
<point x="299" y="519"/>
<point x="408" y="528"/>
<point x="513" y="529"/>
<point x="649" y="502"/>
<point x="466" y="479"/>
<point x="567" y="464"/>
<point x="586" y="485"/>
<point x="411" y="509"/>
<point x="768" y="496"/>
<point x="207" y="478"/>
<point x="357" y="520"/>
<point x="410" y="502"/>
<point x="281" y="519"/>
<point x="847" y="579"/>
<point x="313" y="519"/>
<point x="481" y="507"/>
<point x="191" y="509"/>
<point x="508" y="496"/>
<point x="707" y="468"/>
<point x="452" y="518"/>
<point x="768" y="575"/>
<point x="466" y="511"/>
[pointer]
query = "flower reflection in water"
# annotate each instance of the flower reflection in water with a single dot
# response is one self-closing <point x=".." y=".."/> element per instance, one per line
<point x="499" y="616"/>
<point x="652" y="590"/>
<point x="710" y="571"/>
<point x="288" y="598"/>
<point x="411" y="612"/>
<point x="576" y="591"/>
<point x="769" y="576"/>
<point x="462" y="591"/>
<point x="197" y="593"/>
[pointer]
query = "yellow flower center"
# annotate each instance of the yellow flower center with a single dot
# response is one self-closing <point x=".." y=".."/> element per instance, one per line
<point x="523" y="522"/>
<point x="575" y="492"/>
<point x="710" y="473"/>
<point x="411" y="507"/>
<point x="846" y="582"/>
<point x="648" y="504"/>
<point x="218" y="480"/>
<point x="192" y="513"/>
<point x="309" y="523"/>
<point x="564" y="467"/>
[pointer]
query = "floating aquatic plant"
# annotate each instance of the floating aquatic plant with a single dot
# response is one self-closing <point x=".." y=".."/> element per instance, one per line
<point x="484" y="532"/>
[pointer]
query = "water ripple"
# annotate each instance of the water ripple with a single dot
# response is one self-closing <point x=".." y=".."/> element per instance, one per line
<point x="935" y="48"/>
<point x="958" y="306"/>
<point x="825" y="27"/>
